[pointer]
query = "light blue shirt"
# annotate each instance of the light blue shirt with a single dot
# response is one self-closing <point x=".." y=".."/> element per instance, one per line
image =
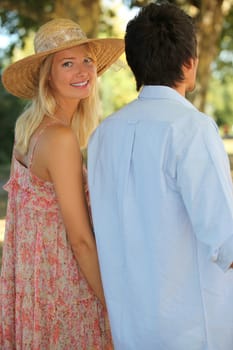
<point x="162" y="205"/>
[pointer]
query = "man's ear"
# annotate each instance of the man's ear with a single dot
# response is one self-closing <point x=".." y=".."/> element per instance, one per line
<point x="190" y="64"/>
<point x="189" y="70"/>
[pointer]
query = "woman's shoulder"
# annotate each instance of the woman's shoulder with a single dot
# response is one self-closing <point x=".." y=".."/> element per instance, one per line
<point x="57" y="146"/>
<point x="55" y="143"/>
<point x="58" y="135"/>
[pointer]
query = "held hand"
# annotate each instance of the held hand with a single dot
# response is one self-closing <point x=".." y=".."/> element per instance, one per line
<point x="106" y="322"/>
<point x="85" y="183"/>
<point x="109" y="345"/>
<point x="87" y="194"/>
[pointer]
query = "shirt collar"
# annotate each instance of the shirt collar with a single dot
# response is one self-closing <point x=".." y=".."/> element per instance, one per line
<point x="163" y="92"/>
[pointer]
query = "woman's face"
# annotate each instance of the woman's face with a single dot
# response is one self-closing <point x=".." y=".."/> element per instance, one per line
<point x="73" y="74"/>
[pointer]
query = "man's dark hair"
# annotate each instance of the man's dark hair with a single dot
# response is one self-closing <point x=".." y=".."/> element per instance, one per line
<point x="159" y="40"/>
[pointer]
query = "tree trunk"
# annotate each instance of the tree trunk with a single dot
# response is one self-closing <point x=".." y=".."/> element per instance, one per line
<point x="210" y="21"/>
<point x="85" y="12"/>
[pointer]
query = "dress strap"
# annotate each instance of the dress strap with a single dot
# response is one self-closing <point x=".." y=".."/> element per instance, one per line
<point x="35" y="141"/>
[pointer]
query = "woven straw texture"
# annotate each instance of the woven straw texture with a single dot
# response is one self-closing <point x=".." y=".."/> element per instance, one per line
<point x="21" y="77"/>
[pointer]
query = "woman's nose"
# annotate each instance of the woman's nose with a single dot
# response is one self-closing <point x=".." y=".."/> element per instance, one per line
<point x="80" y="69"/>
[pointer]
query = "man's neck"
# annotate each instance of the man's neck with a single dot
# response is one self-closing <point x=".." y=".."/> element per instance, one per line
<point x="181" y="89"/>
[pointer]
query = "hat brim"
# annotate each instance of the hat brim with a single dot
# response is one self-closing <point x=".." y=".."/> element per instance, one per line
<point x="21" y="78"/>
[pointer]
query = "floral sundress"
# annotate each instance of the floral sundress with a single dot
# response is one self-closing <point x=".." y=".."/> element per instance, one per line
<point x="45" y="302"/>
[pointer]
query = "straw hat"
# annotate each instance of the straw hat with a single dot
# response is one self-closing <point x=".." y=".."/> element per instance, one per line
<point x="22" y="77"/>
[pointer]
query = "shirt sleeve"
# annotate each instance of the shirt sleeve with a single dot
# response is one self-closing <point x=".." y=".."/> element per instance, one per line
<point x="205" y="184"/>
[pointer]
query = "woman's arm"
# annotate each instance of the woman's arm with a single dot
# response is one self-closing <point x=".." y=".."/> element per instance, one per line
<point x="64" y="163"/>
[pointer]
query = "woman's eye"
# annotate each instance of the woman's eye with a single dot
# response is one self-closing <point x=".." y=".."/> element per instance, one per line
<point x="88" y="60"/>
<point x="67" y="64"/>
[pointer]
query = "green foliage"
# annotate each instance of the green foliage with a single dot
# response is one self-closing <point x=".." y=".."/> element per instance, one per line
<point x="116" y="88"/>
<point x="3" y="205"/>
<point x="11" y="107"/>
<point x="4" y="175"/>
<point x="219" y="100"/>
<point x="222" y="67"/>
<point x="219" y="97"/>
<point x="19" y="17"/>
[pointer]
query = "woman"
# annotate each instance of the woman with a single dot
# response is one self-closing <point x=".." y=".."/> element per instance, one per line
<point x="51" y="292"/>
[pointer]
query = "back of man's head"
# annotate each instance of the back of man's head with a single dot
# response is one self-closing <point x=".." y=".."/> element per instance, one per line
<point x="159" y="40"/>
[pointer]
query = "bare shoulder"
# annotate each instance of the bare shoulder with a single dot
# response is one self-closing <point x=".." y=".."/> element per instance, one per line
<point x="59" y="135"/>
<point x="58" y="138"/>
<point x="57" y="145"/>
<point x="57" y="148"/>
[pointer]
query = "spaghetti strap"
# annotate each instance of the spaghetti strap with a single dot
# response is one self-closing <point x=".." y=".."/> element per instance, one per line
<point x="37" y="137"/>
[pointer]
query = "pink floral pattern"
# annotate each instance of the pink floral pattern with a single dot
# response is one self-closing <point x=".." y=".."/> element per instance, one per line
<point x="45" y="302"/>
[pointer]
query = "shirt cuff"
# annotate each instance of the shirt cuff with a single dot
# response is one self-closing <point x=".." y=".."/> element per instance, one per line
<point x="223" y="256"/>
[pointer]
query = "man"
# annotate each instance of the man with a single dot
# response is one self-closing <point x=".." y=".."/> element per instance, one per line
<point x="162" y="200"/>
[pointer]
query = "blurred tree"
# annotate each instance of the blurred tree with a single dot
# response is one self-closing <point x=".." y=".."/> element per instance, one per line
<point x="22" y="16"/>
<point x="219" y="101"/>
<point x="210" y="22"/>
<point x="10" y="109"/>
<point x="86" y="13"/>
<point x="117" y="91"/>
<point x="219" y="96"/>
<point x="224" y="62"/>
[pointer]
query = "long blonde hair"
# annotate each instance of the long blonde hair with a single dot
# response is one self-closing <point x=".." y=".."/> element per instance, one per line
<point x="84" y="121"/>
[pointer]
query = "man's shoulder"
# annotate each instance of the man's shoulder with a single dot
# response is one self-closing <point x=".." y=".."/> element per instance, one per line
<point x="189" y="116"/>
<point x="200" y="119"/>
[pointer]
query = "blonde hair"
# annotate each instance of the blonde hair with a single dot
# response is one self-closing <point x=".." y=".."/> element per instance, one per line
<point x="84" y="121"/>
